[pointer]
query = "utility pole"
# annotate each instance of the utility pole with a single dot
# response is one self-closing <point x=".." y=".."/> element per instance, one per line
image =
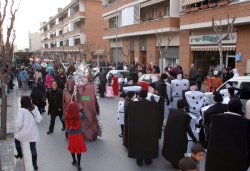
<point x="116" y="38"/>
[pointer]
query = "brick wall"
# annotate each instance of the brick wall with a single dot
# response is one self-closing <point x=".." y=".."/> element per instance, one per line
<point x="152" y="55"/>
<point x="136" y="47"/>
<point x="185" y="54"/>
<point x="144" y="26"/>
<point x="94" y="24"/>
<point x="243" y="47"/>
<point x="113" y="6"/>
<point x="239" y="10"/>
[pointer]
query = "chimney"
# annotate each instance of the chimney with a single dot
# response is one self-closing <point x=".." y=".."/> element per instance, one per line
<point x="59" y="9"/>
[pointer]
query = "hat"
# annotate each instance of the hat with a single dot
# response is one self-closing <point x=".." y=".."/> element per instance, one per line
<point x="234" y="105"/>
<point x="130" y="94"/>
<point x="216" y="72"/>
<point x="143" y="94"/>
<point x="231" y="91"/>
<point x="230" y="83"/>
<point x="129" y="78"/>
<point x="180" y="72"/>
<point x="192" y="83"/>
<point x="123" y="95"/>
<point x="153" y="85"/>
<point x="164" y="76"/>
<point x="218" y="97"/>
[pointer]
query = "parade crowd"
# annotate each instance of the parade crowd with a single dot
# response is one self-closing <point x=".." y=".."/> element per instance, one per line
<point x="173" y="109"/>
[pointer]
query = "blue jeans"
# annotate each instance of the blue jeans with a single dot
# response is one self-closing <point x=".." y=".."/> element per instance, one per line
<point x="32" y="146"/>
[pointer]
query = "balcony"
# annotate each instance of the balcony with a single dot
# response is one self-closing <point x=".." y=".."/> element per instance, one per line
<point x="144" y="26"/>
<point x="74" y="16"/>
<point x="112" y="6"/>
<point x="74" y="32"/>
<point x="62" y="48"/>
<point x="240" y="9"/>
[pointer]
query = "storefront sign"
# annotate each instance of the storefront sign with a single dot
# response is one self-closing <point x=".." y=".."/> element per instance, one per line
<point x="211" y="39"/>
<point x="238" y="57"/>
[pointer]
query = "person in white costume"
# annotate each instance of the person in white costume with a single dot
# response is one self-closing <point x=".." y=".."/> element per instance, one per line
<point x="120" y="112"/>
<point x="177" y="85"/>
<point x="27" y="118"/>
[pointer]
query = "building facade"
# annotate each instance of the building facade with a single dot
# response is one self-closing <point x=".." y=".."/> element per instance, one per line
<point x="34" y="41"/>
<point x="194" y="39"/>
<point x="137" y="24"/>
<point x="65" y="35"/>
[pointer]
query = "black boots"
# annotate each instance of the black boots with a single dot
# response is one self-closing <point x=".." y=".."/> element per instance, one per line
<point x="19" y="153"/>
<point x="34" y="159"/>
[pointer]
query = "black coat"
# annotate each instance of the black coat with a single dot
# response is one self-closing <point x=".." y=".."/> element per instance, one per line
<point x="199" y="77"/>
<point x="143" y="142"/>
<point x="228" y="145"/>
<point x="175" y="135"/>
<point x="125" y="128"/>
<point x="58" y="101"/>
<point x="213" y="110"/>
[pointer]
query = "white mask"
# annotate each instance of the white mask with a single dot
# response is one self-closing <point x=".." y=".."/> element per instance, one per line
<point x="192" y="88"/>
<point x="179" y="76"/>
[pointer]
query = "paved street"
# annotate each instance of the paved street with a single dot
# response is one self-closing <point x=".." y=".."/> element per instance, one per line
<point x="105" y="154"/>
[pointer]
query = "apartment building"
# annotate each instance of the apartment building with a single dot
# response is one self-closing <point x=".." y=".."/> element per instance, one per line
<point x="191" y="20"/>
<point x="65" y="35"/>
<point x="198" y="39"/>
<point x="34" y="41"/>
<point x="137" y="22"/>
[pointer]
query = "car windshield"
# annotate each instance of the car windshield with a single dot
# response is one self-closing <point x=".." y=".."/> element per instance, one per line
<point x="119" y="74"/>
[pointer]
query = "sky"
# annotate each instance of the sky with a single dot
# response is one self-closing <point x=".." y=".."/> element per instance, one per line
<point x="29" y="16"/>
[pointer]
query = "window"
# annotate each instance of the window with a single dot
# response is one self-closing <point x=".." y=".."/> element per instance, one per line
<point x="61" y="43"/>
<point x="235" y="85"/>
<point x="245" y="92"/>
<point x="119" y="74"/>
<point x="167" y="14"/>
<point x="154" y="78"/>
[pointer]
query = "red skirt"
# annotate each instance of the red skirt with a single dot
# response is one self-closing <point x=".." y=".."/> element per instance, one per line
<point x="76" y="143"/>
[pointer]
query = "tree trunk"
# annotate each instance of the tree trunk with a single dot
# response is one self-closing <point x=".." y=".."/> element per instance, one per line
<point x="221" y="56"/>
<point x="3" y="109"/>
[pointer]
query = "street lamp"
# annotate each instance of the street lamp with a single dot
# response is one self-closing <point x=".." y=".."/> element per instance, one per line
<point x="116" y="46"/>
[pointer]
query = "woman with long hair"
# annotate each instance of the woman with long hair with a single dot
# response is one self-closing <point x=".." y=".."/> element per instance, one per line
<point x="109" y="88"/>
<point x="27" y="118"/>
<point x="76" y="142"/>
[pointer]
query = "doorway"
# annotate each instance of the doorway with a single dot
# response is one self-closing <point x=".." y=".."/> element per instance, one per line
<point x="143" y="57"/>
<point x="230" y="61"/>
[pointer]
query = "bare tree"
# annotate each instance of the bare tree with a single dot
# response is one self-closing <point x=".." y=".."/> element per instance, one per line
<point x="83" y="50"/>
<point x="92" y="49"/>
<point x="159" y="37"/>
<point x="127" y="51"/>
<point x="6" y="55"/>
<point x="106" y="53"/>
<point x="219" y="36"/>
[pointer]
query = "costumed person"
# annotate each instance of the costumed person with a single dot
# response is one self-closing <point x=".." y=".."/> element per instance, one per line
<point x="37" y="98"/>
<point x="131" y="96"/>
<point x="42" y="88"/>
<point x="161" y="88"/>
<point x="26" y="123"/>
<point x="55" y="98"/>
<point x="49" y="79"/>
<point x="115" y="85"/>
<point x="229" y="140"/>
<point x="76" y="142"/>
<point x="102" y="78"/>
<point x="120" y="113"/>
<point x="224" y="92"/>
<point x="130" y="86"/>
<point x="143" y="139"/>
<point x="49" y="68"/>
<point x="194" y="102"/>
<point x="175" y="135"/>
<point x="215" y="81"/>
<point x="37" y="75"/>
<point x="177" y="86"/>
<point x="214" y="109"/>
<point x="85" y="96"/>
<point x="230" y="94"/>
<point x="235" y="72"/>
<point x="109" y="86"/>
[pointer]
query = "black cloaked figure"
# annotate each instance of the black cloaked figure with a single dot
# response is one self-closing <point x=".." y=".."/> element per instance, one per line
<point x="143" y="142"/>
<point x="229" y="140"/>
<point x="37" y="98"/>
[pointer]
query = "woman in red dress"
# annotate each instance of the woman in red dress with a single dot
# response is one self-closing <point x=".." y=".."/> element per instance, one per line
<point x="115" y="85"/>
<point x="76" y="142"/>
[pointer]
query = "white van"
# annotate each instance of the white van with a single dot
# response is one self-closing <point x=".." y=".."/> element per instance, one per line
<point x="238" y="82"/>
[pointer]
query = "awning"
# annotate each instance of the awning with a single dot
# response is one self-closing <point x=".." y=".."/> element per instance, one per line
<point x="111" y="16"/>
<point x="77" y="20"/>
<point x="77" y="37"/>
<point x="188" y="2"/>
<point x="213" y="48"/>
<point x="148" y="3"/>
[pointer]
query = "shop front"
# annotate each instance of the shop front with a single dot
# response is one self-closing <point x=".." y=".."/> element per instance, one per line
<point x="206" y="52"/>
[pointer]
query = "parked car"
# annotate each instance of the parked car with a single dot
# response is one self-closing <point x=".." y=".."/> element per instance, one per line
<point x="119" y="74"/>
<point x="146" y="79"/>
<point x="238" y="82"/>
